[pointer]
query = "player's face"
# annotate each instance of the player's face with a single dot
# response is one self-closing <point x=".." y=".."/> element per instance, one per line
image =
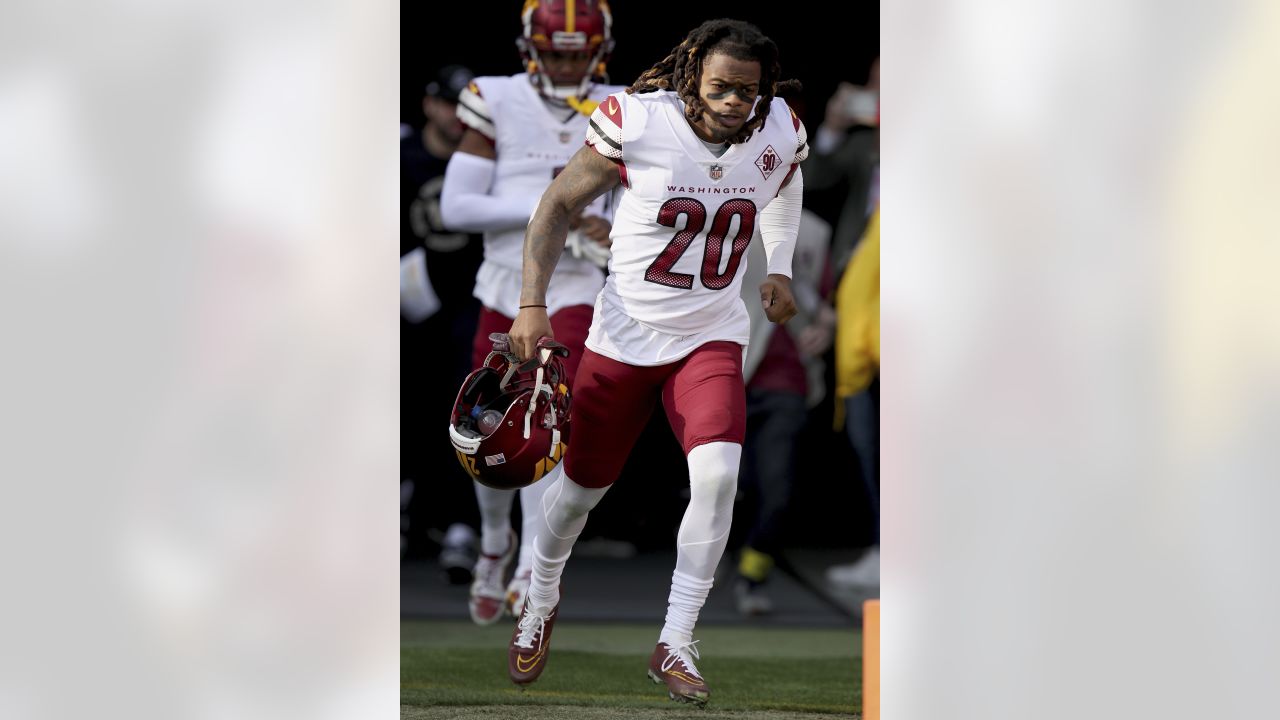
<point x="729" y="89"/>
<point x="565" y="68"/>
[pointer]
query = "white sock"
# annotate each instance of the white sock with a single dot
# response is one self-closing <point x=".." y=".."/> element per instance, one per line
<point x="713" y="482"/>
<point x="688" y="594"/>
<point x="530" y="508"/>
<point x="495" y="518"/>
<point x="565" y="505"/>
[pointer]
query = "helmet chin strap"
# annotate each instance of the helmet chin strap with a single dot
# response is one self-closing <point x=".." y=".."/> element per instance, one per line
<point x="585" y="106"/>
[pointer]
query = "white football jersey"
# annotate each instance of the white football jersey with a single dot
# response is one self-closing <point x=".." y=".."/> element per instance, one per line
<point x="683" y="226"/>
<point x="533" y="144"/>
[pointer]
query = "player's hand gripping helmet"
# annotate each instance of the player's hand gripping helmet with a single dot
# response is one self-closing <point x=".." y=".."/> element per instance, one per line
<point x="565" y="28"/>
<point x="510" y="423"/>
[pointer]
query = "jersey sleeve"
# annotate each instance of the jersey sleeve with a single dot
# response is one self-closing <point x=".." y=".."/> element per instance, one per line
<point x="474" y="112"/>
<point x="802" y="137"/>
<point x="604" y="129"/>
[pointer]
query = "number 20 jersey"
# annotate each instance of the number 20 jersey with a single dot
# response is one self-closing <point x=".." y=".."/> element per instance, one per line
<point x="686" y="218"/>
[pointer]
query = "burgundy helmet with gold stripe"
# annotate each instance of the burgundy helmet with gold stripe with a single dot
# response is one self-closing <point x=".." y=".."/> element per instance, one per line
<point x="579" y="29"/>
<point x="510" y="422"/>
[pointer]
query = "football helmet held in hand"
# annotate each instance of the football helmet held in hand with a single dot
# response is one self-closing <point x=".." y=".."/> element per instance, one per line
<point x="510" y="423"/>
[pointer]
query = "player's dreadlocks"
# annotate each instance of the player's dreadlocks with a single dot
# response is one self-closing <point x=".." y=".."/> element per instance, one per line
<point x="681" y="71"/>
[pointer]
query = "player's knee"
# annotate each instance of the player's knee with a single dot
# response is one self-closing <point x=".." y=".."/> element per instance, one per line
<point x="713" y="471"/>
<point x="715" y="486"/>
<point x="573" y="500"/>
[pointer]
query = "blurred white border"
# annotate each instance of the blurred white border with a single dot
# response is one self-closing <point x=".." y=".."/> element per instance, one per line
<point x="1081" y="346"/>
<point x="201" y="396"/>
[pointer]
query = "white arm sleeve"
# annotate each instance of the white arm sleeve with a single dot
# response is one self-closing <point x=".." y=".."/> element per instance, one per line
<point x="465" y="202"/>
<point x="779" y="222"/>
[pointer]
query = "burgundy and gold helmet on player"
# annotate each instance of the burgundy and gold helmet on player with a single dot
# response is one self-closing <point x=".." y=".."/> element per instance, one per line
<point x="565" y="28"/>
<point x="510" y="423"/>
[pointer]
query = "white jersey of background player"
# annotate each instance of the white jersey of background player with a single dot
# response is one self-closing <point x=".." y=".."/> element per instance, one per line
<point x="533" y="140"/>
<point x="522" y="130"/>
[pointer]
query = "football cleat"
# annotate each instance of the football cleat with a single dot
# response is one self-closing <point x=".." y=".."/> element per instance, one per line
<point x="527" y="656"/>
<point x="488" y="597"/>
<point x="750" y="598"/>
<point x="863" y="573"/>
<point x="674" y="667"/>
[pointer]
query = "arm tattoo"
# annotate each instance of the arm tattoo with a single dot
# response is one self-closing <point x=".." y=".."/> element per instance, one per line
<point x="587" y="176"/>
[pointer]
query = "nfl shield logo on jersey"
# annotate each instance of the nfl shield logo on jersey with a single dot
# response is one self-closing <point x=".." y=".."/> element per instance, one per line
<point x="565" y="136"/>
<point x="717" y="172"/>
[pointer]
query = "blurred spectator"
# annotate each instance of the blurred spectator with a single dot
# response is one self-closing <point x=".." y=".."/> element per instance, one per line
<point x="847" y="150"/>
<point x="847" y="154"/>
<point x="858" y="384"/>
<point x="784" y="374"/>
<point x="438" y="318"/>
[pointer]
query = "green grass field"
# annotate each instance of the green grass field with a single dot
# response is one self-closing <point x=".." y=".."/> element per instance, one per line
<point x="453" y="669"/>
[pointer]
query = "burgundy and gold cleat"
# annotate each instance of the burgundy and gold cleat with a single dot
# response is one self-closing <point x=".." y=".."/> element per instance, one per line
<point x="674" y="667"/>
<point x="488" y="593"/>
<point x="530" y="643"/>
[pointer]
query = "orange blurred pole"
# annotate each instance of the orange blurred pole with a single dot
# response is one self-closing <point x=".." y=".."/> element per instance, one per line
<point x="871" y="660"/>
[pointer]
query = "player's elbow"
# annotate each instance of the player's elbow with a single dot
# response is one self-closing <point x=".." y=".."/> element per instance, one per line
<point x="555" y="206"/>
<point x="465" y="192"/>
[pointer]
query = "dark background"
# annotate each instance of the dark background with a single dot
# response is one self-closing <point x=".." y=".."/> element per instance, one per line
<point x="820" y="45"/>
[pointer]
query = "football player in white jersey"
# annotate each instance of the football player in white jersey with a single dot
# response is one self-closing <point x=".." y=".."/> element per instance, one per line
<point x="521" y="131"/>
<point x="708" y="157"/>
